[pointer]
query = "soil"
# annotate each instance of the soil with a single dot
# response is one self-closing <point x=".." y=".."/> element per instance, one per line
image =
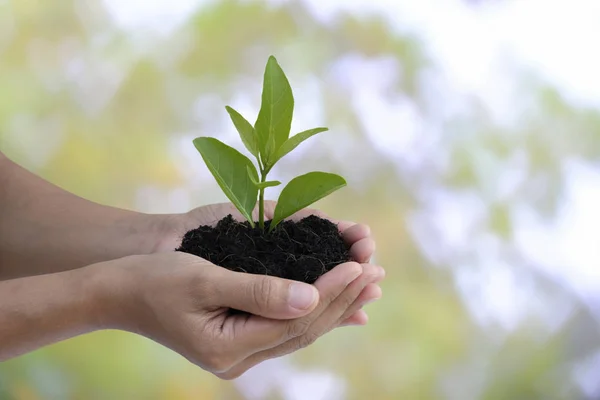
<point x="301" y="251"/>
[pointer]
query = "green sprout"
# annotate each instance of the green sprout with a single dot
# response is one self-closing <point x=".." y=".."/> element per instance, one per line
<point x="268" y="141"/>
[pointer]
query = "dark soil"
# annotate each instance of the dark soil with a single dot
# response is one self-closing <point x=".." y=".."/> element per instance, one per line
<point x="301" y="251"/>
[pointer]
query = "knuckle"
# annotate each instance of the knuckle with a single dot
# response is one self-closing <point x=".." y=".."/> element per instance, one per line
<point x="334" y="298"/>
<point x="346" y="303"/>
<point x="298" y="328"/>
<point x="348" y="300"/>
<point x="307" y="339"/>
<point x="261" y="292"/>
<point x="348" y="313"/>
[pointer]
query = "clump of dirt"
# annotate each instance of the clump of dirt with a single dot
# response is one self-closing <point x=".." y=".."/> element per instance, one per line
<point x="298" y="250"/>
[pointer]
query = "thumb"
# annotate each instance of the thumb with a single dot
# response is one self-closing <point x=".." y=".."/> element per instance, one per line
<point x="267" y="296"/>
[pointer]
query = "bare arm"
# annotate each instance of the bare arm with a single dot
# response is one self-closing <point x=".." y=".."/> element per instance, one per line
<point x="41" y="310"/>
<point x="44" y="229"/>
<point x="47" y="234"/>
<point x="183" y="302"/>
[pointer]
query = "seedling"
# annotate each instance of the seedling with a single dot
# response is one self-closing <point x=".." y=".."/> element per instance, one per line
<point x="268" y="141"/>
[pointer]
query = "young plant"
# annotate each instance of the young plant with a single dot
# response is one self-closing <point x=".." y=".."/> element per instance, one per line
<point x="268" y="141"/>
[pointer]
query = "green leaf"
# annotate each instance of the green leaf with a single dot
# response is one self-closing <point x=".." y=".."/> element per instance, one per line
<point x="267" y="184"/>
<point x="261" y="185"/>
<point x="251" y="174"/>
<point x="303" y="191"/>
<point x="245" y="129"/>
<point x="276" y="111"/>
<point x="294" y="141"/>
<point x="230" y="169"/>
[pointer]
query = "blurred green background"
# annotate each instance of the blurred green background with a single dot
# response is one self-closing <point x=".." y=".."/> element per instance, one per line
<point x="473" y="156"/>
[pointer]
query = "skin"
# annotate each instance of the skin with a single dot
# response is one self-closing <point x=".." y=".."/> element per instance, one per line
<point x="69" y="267"/>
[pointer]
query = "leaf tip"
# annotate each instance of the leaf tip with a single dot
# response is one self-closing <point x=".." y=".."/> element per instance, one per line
<point x="198" y="140"/>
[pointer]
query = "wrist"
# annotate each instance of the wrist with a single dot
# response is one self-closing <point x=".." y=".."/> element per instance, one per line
<point x="166" y="232"/>
<point x="108" y="292"/>
<point x="151" y="233"/>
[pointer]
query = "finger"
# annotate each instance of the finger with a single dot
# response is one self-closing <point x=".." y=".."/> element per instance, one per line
<point x="363" y="250"/>
<point x="328" y="319"/>
<point x="359" y="318"/>
<point x="355" y="233"/>
<point x="371" y="293"/>
<point x="253" y="336"/>
<point x="261" y="333"/>
<point x="331" y="286"/>
<point x="359" y="292"/>
<point x="263" y="295"/>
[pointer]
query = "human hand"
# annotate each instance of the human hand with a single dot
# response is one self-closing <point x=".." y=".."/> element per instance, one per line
<point x="184" y="302"/>
<point x="357" y="236"/>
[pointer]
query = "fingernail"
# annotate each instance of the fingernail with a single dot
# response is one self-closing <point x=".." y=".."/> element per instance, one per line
<point x="302" y="296"/>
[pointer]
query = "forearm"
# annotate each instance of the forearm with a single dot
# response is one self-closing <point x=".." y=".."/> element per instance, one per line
<point x="44" y="229"/>
<point x="41" y="310"/>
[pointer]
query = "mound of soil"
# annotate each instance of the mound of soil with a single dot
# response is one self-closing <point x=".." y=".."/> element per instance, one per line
<point x="298" y="250"/>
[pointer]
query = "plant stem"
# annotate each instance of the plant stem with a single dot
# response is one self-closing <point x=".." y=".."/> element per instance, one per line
<point x="261" y="202"/>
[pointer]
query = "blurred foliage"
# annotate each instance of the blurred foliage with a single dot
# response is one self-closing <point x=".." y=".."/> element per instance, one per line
<point x="102" y="111"/>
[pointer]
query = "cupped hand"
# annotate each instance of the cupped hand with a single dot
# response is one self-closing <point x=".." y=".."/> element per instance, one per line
<point x="184" y="303"/>
<point x="357" y="236"/>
